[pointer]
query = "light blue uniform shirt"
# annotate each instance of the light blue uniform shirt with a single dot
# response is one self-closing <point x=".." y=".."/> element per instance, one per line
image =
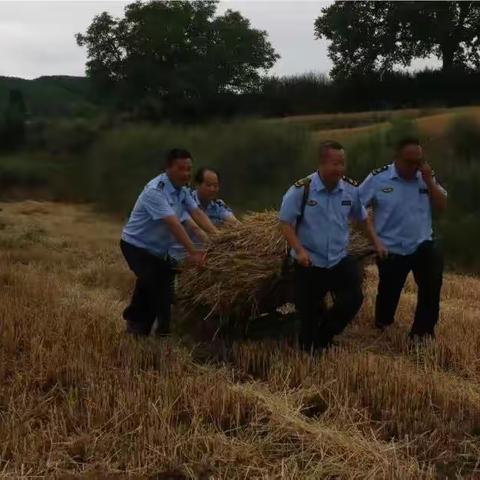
<point x="216" y="210"/>
<point x="324" y="231"/>
<point x="402" y="209"/>
<point x="146" y="227"/>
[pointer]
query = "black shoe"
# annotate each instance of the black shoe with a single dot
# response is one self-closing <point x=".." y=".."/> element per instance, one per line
<point x="162" y="331"/>
<point x="162" y="334"/>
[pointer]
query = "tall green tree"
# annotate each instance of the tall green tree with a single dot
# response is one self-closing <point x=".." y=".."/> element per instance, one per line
<point x="371" y="36"/>
<point x="174" y="55"/>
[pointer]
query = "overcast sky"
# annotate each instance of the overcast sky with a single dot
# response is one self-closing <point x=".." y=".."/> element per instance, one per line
<point x="37" y="37"/>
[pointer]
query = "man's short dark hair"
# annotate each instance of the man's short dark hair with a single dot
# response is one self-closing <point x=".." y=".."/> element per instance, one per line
<point x="324" y="147"/>
<point x="175" y="154"/>
<point x="200" y="175"/>
<point x="406" y="141"/>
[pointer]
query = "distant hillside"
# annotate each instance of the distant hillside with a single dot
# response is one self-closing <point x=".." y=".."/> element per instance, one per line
<point x="48" y="96"/>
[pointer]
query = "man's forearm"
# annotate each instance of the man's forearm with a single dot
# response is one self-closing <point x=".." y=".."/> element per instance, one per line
<point x="369" y="230"/>
<point x="291" y="237"/>
<point x="203" y="221"/>
<point x="179" y="233"/>
<point x="437" y="197"/>
<point x="195" y="230"/>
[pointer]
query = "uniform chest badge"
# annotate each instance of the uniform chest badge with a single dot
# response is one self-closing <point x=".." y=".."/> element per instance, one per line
<point x="312" y="203"/>
<point x="347" y="203"/>
<point x="387" y="190"/>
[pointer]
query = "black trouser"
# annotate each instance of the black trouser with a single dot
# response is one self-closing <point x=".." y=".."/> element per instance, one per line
<point x="319" y="326"/>
<point x="154" y="290"/>
<point x="427" y="267"/>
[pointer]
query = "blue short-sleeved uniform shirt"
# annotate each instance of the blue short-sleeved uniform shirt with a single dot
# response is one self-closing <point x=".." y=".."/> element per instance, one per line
<point x="402" y="209"/>
<point x="216" y="210"/>
<point x="324" y="231"/>
<point x="159" y="199"/>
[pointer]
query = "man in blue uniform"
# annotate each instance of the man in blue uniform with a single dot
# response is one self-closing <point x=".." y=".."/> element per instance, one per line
<point x="403" y="195"/>
<point x="207" y="181"/>
<point x="206" y="196"/>
<point x="148" y="238"/>
<point x="314" y="218"/>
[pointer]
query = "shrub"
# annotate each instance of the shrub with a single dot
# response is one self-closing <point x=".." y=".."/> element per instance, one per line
<point x="464" y="136"/>
<point x="257" y="162"/>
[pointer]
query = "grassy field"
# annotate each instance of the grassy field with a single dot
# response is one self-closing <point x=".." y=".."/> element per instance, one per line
<point x="78" y="399"/>
<point x="345" y="126"/>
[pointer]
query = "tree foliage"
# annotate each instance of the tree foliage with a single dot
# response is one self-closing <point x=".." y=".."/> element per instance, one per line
<point x="170" y="57"/>
<point x="375" y="36"/>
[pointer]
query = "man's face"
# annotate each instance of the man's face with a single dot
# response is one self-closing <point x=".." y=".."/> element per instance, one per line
<point x="410" y="159"/>
<point x="209" y="188"/>
<point x="180" y="172"/>
<point x="332" y="166"/>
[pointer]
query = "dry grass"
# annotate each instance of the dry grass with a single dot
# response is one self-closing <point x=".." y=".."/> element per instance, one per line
<point x="80" y="400"/>
<point x="353" y="120"/>
<point x="342" y="134"/>
<point x="431" y="125"/>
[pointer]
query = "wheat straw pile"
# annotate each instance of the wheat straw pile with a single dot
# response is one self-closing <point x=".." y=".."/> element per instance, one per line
<point x="243" y="262"/>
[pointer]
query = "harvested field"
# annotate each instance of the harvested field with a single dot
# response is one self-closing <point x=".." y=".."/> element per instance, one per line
<point x="80" y="400"/>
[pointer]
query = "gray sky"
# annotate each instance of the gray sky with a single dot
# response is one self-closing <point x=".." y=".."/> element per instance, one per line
<point x="37" y="37"/>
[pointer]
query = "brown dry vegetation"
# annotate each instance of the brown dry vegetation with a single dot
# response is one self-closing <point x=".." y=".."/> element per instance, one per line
<point x="80" y="400"/>
<point x="324" y="121"/>
<point x="432" y="125"/>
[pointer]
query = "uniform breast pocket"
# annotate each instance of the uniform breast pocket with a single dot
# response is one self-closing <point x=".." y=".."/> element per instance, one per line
<point x="423" y="204"/>
<point x="386" y="199"/>
<point x="312" y="209"/>
<point x="346" y="207"/>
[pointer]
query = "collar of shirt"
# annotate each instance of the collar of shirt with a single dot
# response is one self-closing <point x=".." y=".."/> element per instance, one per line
<point x="395" y="175"/>
<point x="169" y="186"/>
<point x="195" y="197"/>
<point x="318" y="185"/>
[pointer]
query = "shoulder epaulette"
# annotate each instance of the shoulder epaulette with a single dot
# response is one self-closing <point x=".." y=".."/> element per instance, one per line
<point x="380" y="170"/>
<point x="351" y="181"/>
<point x="302" y="182"/>
<point x="161" y="184"/>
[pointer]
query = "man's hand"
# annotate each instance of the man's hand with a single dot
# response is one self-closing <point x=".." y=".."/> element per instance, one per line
<point x="202" y="220"/>
<point x="427" y="173"/>
<point x="197" y="258"/>
<point x="437" y="196"/>
<point x="303" y="258"/>
<point x="369" y="229"/>
<point x="380" y="250"/>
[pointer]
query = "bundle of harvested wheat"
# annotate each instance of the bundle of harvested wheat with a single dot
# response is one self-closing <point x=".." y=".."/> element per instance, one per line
<point x="244" y="263"/>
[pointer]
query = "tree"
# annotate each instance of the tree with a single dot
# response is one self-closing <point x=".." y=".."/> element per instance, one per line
<point x="12" y="128"/>
<point x="376" y="36"/>
<point x="174" y="56"/>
